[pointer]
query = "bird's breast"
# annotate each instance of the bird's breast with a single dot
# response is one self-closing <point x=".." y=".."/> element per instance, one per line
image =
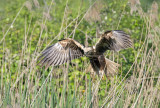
<point x="91" y="54"/>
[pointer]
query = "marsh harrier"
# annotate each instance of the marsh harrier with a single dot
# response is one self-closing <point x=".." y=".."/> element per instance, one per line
<point x="68" y="49"/>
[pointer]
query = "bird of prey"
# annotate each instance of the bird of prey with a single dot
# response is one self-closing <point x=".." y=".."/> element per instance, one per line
<point x="68" y="49"/>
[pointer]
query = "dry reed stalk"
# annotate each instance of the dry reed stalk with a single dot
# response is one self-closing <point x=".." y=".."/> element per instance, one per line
<point x="141" y="84"/>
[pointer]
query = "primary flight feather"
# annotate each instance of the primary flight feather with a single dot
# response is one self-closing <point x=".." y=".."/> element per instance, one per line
<point x="68" y="49"/>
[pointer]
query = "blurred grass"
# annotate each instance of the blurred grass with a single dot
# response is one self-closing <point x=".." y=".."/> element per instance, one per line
<point x="24" y="84"/>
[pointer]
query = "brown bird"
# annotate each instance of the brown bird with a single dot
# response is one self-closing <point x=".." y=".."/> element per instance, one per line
<point x="68" y="49"/>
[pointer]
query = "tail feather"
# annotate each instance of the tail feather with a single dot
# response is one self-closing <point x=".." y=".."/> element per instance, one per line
<point x="111" y="68"/>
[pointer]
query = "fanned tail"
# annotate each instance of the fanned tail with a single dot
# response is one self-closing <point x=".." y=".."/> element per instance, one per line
<point x="111" y="68"/>
<point x="102" y="64"/>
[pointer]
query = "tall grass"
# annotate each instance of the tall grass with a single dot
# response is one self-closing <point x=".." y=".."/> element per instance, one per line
<point x="24" y="84"/>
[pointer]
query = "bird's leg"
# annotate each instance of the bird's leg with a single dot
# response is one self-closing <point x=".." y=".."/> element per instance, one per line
<point x="101" y="74"/>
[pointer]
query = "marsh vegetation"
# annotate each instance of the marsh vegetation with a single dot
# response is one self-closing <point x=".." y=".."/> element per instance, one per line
<point x="28" y="27"/>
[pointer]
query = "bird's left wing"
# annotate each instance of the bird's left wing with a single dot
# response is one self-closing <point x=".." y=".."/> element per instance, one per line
<point x="113" y="40"/>
<point x="61" y="52"/>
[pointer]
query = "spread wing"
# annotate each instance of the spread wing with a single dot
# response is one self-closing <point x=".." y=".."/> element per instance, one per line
<point x="113" y="40"/>
<point x="61" y="52"/>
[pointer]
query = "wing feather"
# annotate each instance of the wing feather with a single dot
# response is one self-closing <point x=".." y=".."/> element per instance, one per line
<point x="70" y="54"/>
<point x="61" y="52"/>
<point x="58" y="59"/>
<point x="62" y="60"/>
<point x="54" y="59"/>
<point x="113" y="40"/>
<point x="65" y="58"/>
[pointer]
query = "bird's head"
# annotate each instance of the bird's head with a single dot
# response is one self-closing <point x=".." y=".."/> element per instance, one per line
<point x="89" y="50"/>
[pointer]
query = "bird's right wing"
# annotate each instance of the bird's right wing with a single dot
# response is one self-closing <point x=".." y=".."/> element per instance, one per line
<point x="61" y="52"/>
